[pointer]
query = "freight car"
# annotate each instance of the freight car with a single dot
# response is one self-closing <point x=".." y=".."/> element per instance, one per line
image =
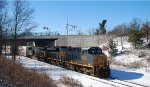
<point x="90" y="61"/>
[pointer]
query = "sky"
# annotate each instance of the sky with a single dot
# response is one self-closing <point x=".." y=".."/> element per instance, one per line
<point x="86" y="15"/>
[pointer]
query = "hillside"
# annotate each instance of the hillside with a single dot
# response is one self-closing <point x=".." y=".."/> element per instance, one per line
<point x="127" y="55"/>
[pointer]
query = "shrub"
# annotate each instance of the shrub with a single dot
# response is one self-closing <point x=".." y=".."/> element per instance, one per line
<point x="147" y="70"/>
<point x="105" y="47"/>
<point x="141" y="54"/>
<point x="148" y="60"/>
<point x="135" y="64"/>
<point x="15" y="75"/>
<point x="113" y="49"/>
<point x="70" y="82"/>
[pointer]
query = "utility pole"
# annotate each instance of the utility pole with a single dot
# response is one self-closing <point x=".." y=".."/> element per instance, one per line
<point x="67" y="26"/>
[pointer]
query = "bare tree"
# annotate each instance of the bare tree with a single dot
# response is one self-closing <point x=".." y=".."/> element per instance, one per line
<point x="3" y="21"/>
<point x="120" y="30"/>
<point x="146" y="30"/>
<point x="22" y="15"/>
<point x="91" y="31"/>
<point x="79" y="32"/>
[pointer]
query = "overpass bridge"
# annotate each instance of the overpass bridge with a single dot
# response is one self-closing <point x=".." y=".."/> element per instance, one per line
<point x="33" y="40"/>
<point x="63" y="40"/>
<point x="60" y="40"/>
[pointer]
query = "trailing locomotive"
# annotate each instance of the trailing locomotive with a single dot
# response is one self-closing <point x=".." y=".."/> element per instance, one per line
<point x="90" y="61"/>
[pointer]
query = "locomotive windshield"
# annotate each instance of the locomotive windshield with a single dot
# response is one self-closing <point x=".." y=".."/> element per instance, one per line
<point x="64" y="49"/>
<point x="53" y="49"/>
<point x="75" y="49"/>
<point x="95" y="50"/>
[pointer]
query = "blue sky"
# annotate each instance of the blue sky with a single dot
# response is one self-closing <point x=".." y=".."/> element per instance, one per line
<point x="87" y="14"/>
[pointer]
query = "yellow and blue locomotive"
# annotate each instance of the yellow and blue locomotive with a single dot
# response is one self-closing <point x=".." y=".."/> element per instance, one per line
<point x="90" y="61"/>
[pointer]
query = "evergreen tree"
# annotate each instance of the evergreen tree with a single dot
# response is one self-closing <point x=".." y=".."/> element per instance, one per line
<point x="134" y="35"/>
<point x="113" y="50"/>
<point x="102" y="29"/>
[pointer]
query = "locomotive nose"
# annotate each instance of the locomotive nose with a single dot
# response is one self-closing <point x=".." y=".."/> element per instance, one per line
<point x="101" y="66"/>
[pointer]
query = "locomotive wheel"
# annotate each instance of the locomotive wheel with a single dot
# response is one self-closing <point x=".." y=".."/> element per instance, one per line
<point x="72" y="67"/>
<point x="107" y="72"/>
<point x="101" y="73"/>
<point x="104" y="72"/>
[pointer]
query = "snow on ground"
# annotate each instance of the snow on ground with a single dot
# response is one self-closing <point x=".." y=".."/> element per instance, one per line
<point x="56" y="72"/>
<point x="129" y="54"/>
<point x="138" y="76"/>
<point x="123" y="58"/>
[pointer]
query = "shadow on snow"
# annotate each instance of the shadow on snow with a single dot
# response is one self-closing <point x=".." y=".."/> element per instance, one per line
<point x="123" y="75"/>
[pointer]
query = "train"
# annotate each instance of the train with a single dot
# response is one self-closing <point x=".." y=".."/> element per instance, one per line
<point x="91" y="61"/>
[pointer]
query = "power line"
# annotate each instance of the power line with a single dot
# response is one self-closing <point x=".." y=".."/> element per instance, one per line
<point x="69" y="25"/>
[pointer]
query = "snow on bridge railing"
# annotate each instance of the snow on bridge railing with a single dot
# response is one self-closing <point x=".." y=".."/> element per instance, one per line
<point x="46" y="34"/>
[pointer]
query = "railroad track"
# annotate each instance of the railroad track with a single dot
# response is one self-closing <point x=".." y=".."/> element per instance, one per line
<point x="135" y="83"/>
<point x="128" y="83"/>
<point x="117" y="83"/>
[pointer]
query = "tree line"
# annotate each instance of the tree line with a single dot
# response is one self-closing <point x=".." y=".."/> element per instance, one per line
<point x="15" y="21"/>
<point x="135" y="30"/>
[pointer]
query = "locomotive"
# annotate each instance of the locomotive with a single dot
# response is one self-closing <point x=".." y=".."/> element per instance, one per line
<point x="91" y="61"/>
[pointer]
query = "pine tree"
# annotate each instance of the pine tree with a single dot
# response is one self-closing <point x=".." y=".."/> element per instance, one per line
<point x="113" y="50"/>
<point x="102" y="29"/>
<point x="135" y="36"/>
